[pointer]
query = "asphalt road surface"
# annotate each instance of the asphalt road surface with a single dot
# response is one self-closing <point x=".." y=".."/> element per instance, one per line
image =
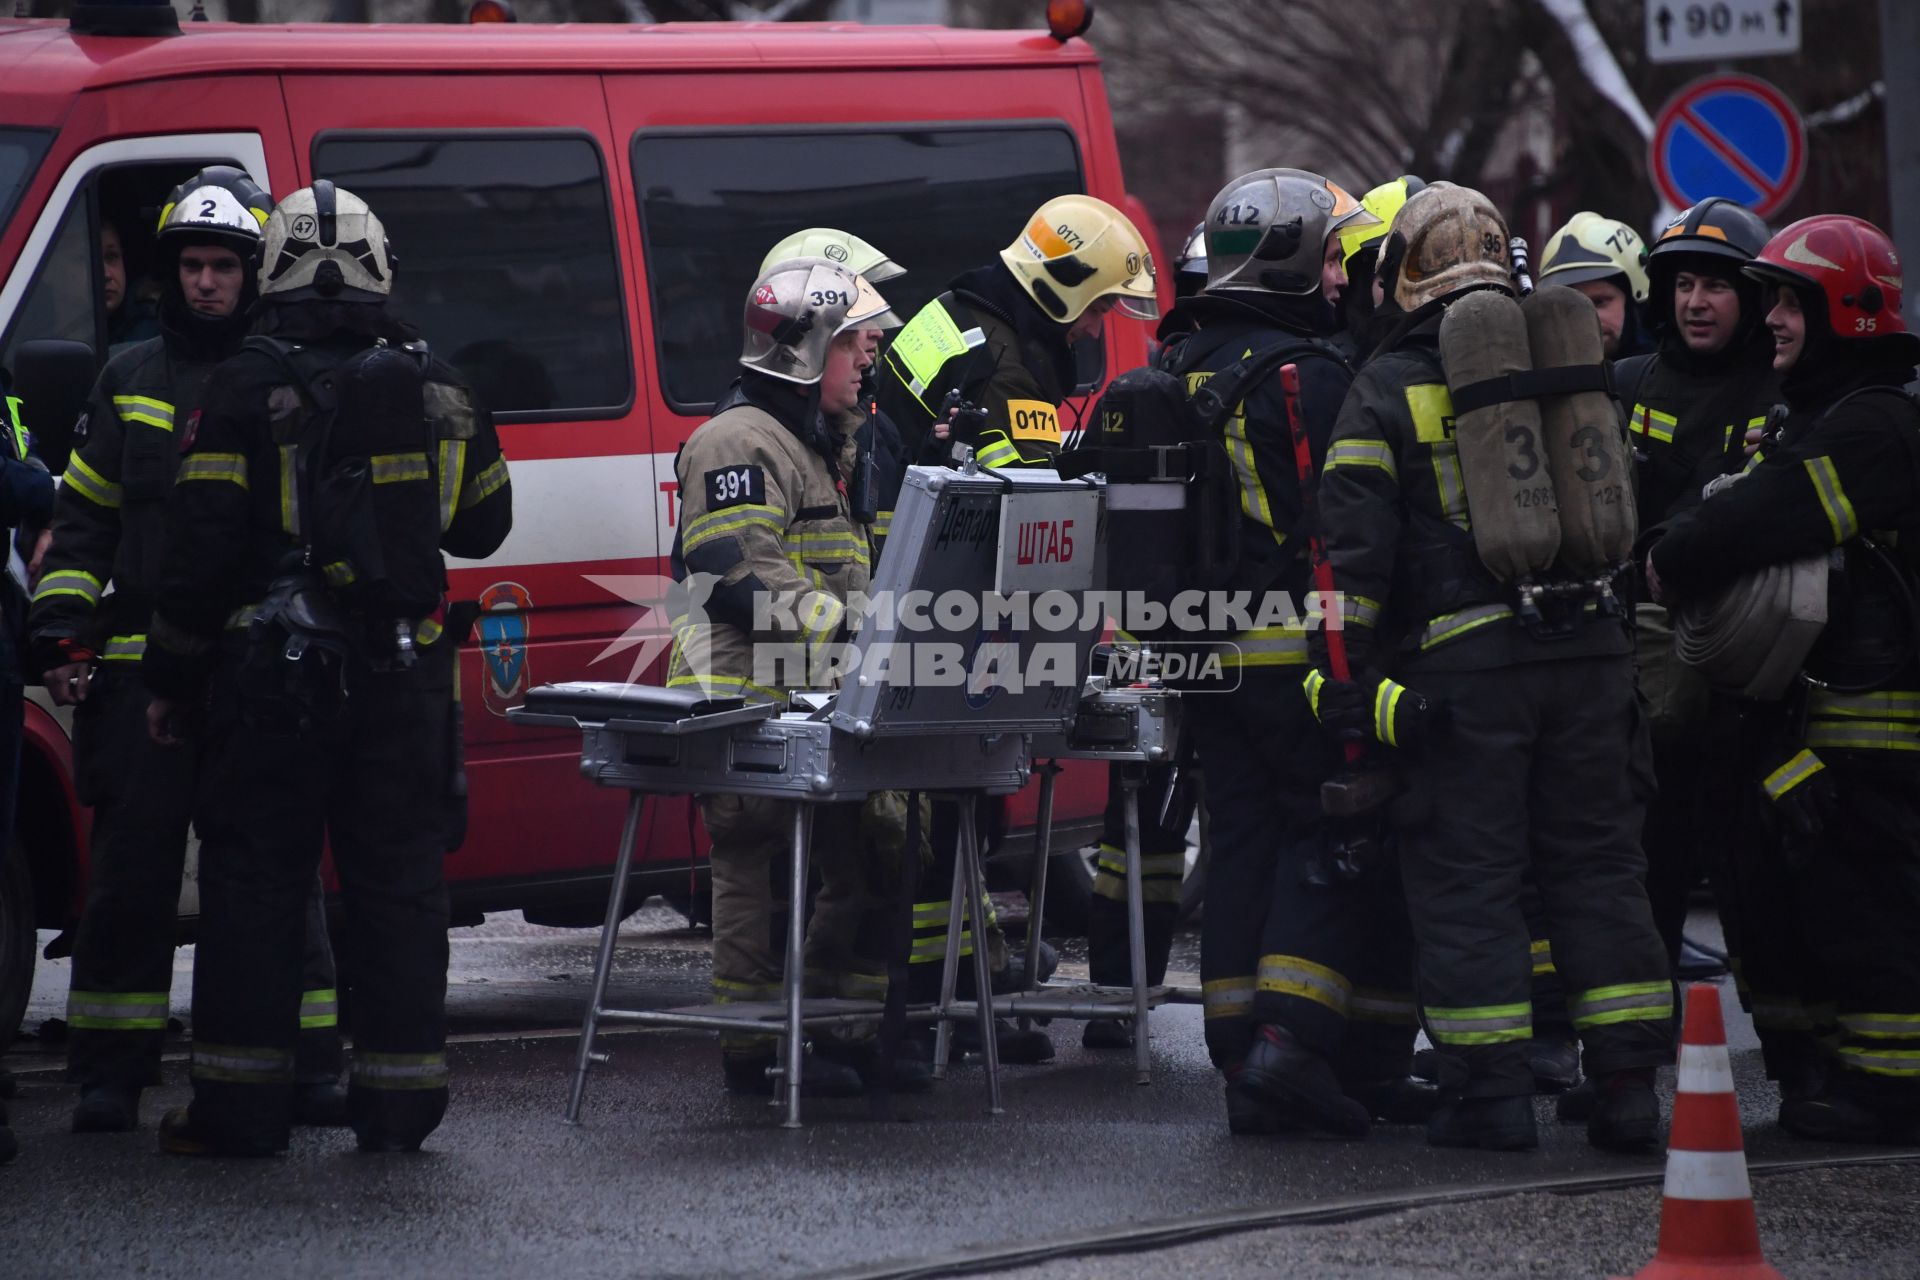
<point x="670" y="1177"/>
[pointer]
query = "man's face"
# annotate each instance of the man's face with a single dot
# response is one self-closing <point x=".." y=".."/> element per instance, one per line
<point x="1091" y="321"/>
<point x="1788" y="323"/>
<point x="1333" y="271"/>
<point x="211" y="278"/>
<point x="1707" y="310"/>
<point x="1610" y="301"/>
<point x="848" y="358"/>
<point x="115" y="266"/>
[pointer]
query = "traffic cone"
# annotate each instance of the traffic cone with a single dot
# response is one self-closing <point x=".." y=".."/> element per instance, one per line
<point x="1707" y="1227"/>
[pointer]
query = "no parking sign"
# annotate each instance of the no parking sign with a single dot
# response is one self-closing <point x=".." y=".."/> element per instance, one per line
<point x="1733" y="136"/>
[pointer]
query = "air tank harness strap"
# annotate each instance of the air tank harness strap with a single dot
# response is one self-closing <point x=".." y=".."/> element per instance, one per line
<point x="1530" y="384"/>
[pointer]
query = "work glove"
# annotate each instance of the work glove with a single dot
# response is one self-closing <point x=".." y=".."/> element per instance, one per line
<point x="1370" y="707"/>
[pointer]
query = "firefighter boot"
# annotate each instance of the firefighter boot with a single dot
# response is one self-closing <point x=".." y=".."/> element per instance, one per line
<point x="1491" y="1124"/>
<point x="1576" y="1105"/>
<point x="180" y="1135"/>
<point x="1406" y="1100"/>
<point x="1555" y="1063"/>
<point x="1300" y="1084"/>
<point x="1626" y="1114"/>
<point x="107" y="1108"/>
<point x="320" y="1104"/>
<point x="1249" y="1115"/>
<point x="1017" y="1048"/>
<point x="910" y="1075"/>
<point x="1844" y="1112"/>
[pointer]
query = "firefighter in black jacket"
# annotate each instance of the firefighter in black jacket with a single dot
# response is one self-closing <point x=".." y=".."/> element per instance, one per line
<point x="88" y="641"/>
<point x="1833" y="775"/>
<point x="1532" y="769"/>
<point x="322" y="721"/>
<point x="1306" y="1010"/>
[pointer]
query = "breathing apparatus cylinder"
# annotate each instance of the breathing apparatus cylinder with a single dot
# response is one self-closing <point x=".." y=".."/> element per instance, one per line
<point x="1586" y="450"/>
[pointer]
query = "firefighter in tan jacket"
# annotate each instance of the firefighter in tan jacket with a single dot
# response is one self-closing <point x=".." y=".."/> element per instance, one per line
<point x="765" y="520"/>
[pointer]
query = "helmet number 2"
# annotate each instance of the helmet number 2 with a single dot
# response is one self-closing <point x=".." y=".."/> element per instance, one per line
<point x="206" y="208"/>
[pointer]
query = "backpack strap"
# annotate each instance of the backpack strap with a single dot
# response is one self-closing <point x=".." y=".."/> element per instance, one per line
<point x="1220" y="395"/>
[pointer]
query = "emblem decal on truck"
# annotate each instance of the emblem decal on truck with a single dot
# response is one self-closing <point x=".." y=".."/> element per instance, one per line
<point x="503" y="644"/>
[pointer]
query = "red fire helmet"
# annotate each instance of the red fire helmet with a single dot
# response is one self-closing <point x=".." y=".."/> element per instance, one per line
<point x="1848" y="260"/>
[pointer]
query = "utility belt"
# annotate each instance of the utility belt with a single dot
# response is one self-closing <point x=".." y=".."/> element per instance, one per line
<point x="1554" y="613"/>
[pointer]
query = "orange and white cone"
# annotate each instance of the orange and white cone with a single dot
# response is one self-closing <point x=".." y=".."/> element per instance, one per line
<point x="1707" y="1227"/>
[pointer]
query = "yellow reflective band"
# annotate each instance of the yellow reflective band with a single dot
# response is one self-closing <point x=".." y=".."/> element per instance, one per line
<point x="1305" y="980"/>
<point x="821" y="617"/>
<point x="1450" y="486"/>
<point x="1362" y="453"/>
<point x="722" y="686"/>
<point x="1253" y="492"/>
<point x="399" y="1070"/>
<point x="1268" y="647"/>
<point x="999" y="453"/>
<point x="1386" y="701"/>
<point x="117" y="1010"/>
<point x="1900" y="1063"/>
<point x="1312" y="685"/>
<point x="155" y="413"/>
<point x="1451" y="626"/>
<point x="319" y="1009"/>
<point x="1481" y="1024"/>
<point x="882" y="524"/>
<point x="1371" y="1005"/>
<point x="1542" y="953"/>
<point x="16" y="428"/>
<point x="1431" y="405"/>
<point x="1791" y="774"/>
<point x="70" y="582"/>
<point x="129" y="648"/>
<point x="727" y="990"/>
<point x="727" y="520"/>
<point x="90" y="484"/>
<point x="1882" y="1026"/>
<point x="1359" y="610"/>
<point x="241" y="1064"/>
<point x="928" y="950"/>
<point x="1653" y="424"/>
<point x="1893" y="704"/>
<point x="339" y="573"/>
<point x="1833" y="498"/>
<point x="229" y="468"/>
<point x="1624" y="1002"/>
<point x="1227" y="997"/>
<point x="398" y="468"/>
<point x="453" y="460"/>
<point x="1863" y="735"/>
<point x="489" y="482"/>
<point x="289" y="489"/>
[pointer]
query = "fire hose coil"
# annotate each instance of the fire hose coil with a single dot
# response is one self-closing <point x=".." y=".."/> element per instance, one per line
<point x="1755" y="636"/>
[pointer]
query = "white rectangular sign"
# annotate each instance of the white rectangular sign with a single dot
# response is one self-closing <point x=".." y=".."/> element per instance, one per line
<point x="1047" y="541"/>
<point x="1708" y="30"/>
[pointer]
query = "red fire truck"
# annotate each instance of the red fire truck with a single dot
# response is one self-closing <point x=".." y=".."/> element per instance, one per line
<point x="577" y="211"/>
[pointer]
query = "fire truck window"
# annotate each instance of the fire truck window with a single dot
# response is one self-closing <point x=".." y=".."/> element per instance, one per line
<point x="504" y="260"/>
<point x="99" y="281"/>
<point x="20" y="152"/>
<point x="941" y="200"/>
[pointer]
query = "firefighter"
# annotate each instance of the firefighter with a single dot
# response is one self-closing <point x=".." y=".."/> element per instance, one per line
<point x="1607" y="261"/>
<point x="26" y="503"/>
<point x="1531" y="771"/>
<point x="1830" y="773"/>
<point x="89" y="625"/>
<point x="1362" y="316"/>
<point x="1295" y="977"/>
<point x="1002" y="338"/>
<point x="765" y="513"/>
<point x="325" y="719"/>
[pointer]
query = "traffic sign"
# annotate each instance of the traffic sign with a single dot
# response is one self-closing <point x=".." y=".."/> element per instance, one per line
<point x="1708" y="30"/>
<point x="1733" y="136"/>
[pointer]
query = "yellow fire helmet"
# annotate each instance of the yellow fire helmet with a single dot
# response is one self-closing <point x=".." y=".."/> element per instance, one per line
<point x="843" y="247"/>
<point x="1450" y="238"/>
<point x="1383" y="202"/>
<point x="797" y="308"/>
<point x="1590" y="248"/>
<point x="1077" y="249"/>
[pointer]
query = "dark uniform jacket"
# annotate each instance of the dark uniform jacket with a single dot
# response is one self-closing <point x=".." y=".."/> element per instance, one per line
<point x="26" y="503"/>
<point x="1688" y="415"/>
<point x="1393" y="508"/>
<point x="986" y="339"/>
<point x="1259" y="441"/>
<point x="1847" y="468"/>
<point x="234" y="514"/>
<point x="108" y="519"/>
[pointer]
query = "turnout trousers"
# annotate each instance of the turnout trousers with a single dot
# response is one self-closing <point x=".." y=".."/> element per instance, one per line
<point x="142" y="795"/>
<point x="1329" y="963"/>
<point x="1532" y="772"/>
<point x="367" y="774"/>
<point x="1166" y="810"/>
